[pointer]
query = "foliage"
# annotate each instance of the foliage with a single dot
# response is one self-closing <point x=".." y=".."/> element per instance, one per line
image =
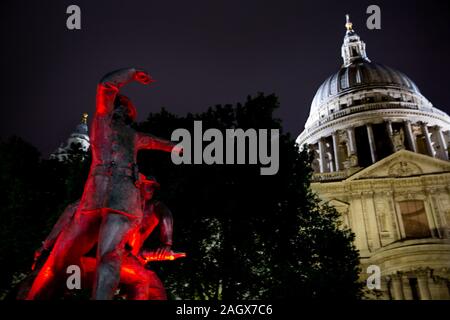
<point x="34" y="193"/>
<point x="250" y="236"/>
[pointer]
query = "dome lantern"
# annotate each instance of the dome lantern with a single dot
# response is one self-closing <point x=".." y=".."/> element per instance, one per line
<point x="353" y="48"/>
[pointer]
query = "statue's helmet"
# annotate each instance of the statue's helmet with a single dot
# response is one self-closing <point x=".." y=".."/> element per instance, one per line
<point x="123" y="105"/>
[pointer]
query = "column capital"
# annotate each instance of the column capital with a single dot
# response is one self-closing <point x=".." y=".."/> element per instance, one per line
<point x="397" y="276"/>
<point x="422" y="272"/>
<point x="367" y="193"/>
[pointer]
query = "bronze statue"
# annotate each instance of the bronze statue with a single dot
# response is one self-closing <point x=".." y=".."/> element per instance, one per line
<point x="110" y="209"/>
<point x="136" y="280"/>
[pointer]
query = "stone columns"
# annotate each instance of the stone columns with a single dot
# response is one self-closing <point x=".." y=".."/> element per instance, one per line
<point x="385" y="288"/>
<point x="321" y="155"/>
<point x="407" y="292"/>
<point x="356" y="210"/>
<point x="337" y="165"/>
<point x="439" y="289"/>
<point x="373" y="152"/>
<point x="442" y="143"/>
<point x="410" y="136"/>
<point x="370" y="213"/>
<point x="351" y="140"/>
<point x="422" y="281"/>
<point x="397" y="287"/>
<point x="426" y="134"/>
<point x="390" y="133"/>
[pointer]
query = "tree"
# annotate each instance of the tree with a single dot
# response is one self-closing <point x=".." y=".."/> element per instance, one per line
<point x="35" y="192"/>
<point x="250" y="236"/>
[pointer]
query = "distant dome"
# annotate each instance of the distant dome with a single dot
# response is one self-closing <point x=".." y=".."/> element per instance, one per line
<point x="361" y="75"/>
<point x="78" y="139"/>
<point x="82" y="128"/>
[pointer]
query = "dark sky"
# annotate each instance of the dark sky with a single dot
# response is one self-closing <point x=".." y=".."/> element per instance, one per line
<point x="202" y="53"/>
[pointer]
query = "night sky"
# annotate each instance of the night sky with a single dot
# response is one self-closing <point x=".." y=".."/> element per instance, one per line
<point x="202" y="53"/>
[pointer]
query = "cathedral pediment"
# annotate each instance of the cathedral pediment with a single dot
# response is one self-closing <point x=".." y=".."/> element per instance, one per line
<point x="341" y="206"/>
<point x="402" y="164"/>
<point x="337" y="203"/>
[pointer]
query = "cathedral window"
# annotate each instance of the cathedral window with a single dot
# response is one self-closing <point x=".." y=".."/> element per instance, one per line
<point x="414" y="218"/>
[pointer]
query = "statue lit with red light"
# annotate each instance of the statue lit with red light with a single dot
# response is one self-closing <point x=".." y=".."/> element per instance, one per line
<point x="137" y="282"/>
<point x="110" y="212"/>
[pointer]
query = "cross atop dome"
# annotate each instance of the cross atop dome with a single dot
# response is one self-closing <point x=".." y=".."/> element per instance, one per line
<point x="348" y="24"/>
<point x="82" y="127"/>
<point x="84" y="118"/>
<point x="353" y="47"/>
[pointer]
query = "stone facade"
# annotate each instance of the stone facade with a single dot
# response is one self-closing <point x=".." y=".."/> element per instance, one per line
<point x="370" y="203"/>
<point x="381" y="158"/>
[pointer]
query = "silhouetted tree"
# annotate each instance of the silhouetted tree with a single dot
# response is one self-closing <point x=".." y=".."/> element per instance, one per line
<point x="34" y="192"/>
<point x="247" y="235"/>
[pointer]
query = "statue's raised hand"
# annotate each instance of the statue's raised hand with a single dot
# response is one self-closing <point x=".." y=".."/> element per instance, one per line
<point x="119" y="78"/>
<point x="143" y="77"/>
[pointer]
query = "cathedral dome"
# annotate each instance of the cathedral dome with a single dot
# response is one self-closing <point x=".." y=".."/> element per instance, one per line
<point x="366" y="111"/>
<point x="78" y="139"/>
<point x="362" y="82"/>
<point x="361" y="74"/>
<point x="380" y="154"/>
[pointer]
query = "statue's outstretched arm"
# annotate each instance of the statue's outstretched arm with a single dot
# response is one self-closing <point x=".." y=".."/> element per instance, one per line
<point x="150" y="142"/>
<point x="111" y="83"/>
<point x="62" y="222"/>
